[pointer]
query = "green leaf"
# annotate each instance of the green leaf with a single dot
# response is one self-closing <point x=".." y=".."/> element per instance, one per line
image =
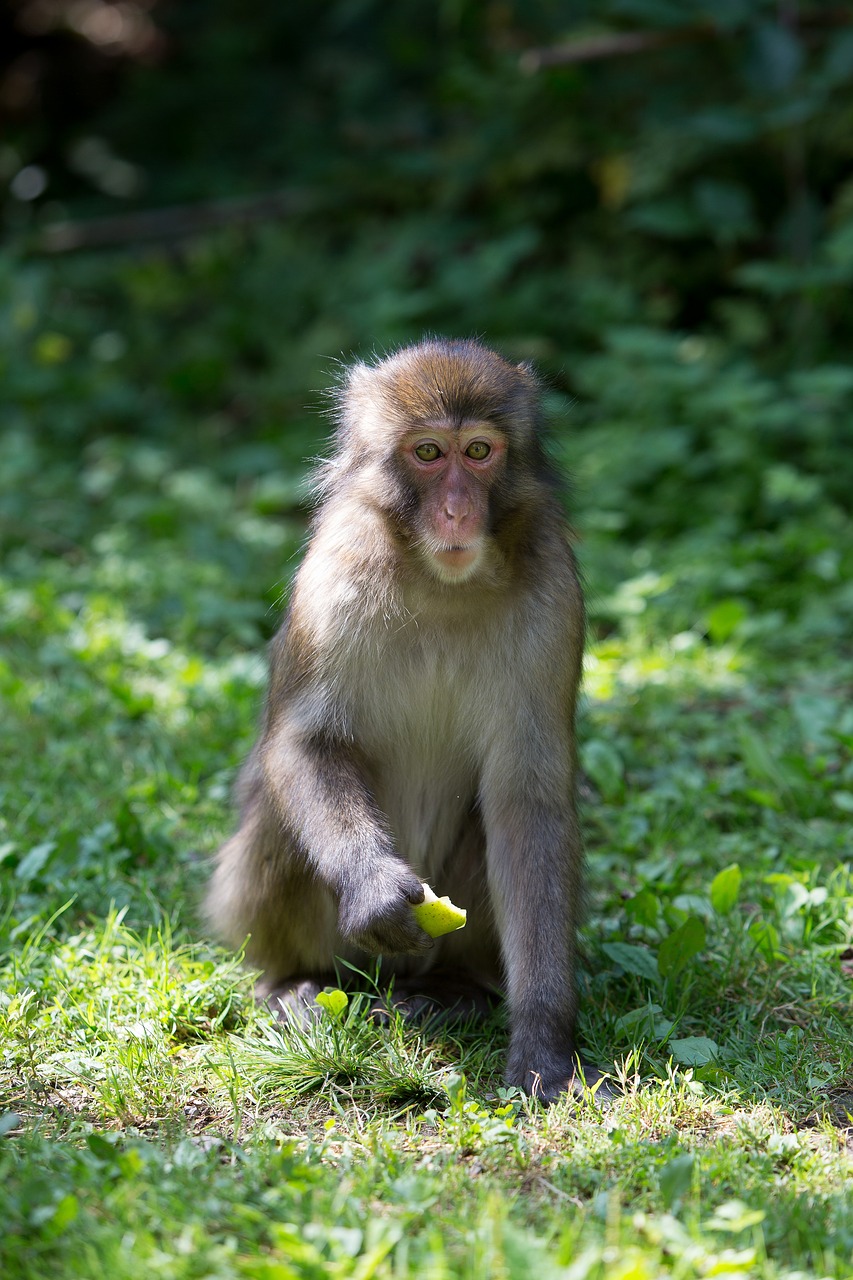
<point x="725" y="888"/>
<point x="35" y="861"/>
<point x="66" y="1211"/>
<point x="333" y="1001"/>
<point x="638" y="961"/>
<point x="735" y="1216"/>
<point x="646" y="1021"/>
<point x="816" y="716"/>
<point x="724" y="619"/>
<point x="8" y="1121"/>
<point x="763" y="765"/>
<point x="681" y="946"/>
<point x="764" y="798"/>
<point x="643" y="908"/>
<point x="456" y="1086"/>
<point x="102" y="1147"/>
<point x="694" y="1051"/>
<point x="676" y="1179"/>
<point x="603" y="763"/>
<point x="766" y="939"/>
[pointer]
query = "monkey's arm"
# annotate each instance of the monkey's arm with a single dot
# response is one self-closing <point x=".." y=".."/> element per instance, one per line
<point x="534" y="859"/>
<point x="318" y="788"/>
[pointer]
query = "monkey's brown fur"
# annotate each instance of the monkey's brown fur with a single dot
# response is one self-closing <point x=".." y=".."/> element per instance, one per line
<point x="420" y="719"/>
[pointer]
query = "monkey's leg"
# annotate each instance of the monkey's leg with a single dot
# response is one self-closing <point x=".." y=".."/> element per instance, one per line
<point x="534" y="869"/>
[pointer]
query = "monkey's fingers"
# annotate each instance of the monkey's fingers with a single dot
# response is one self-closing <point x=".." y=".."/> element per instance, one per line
<point x="376" y="913"/>
<point x="395" y="938"/>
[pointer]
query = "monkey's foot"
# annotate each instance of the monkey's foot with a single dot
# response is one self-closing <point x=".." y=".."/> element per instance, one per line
<point x="293" y="1002"/>
<point x="580" y="1081"/>
<point x="438" y="999"/>
<point x="588" y="1080"/>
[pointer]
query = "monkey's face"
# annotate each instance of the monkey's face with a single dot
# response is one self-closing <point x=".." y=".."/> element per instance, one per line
<point x="452" y="471"/>
<point x="442" y="439"/>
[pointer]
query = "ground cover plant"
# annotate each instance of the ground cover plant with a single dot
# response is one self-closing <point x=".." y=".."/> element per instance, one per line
<point x="152" y="1117"/>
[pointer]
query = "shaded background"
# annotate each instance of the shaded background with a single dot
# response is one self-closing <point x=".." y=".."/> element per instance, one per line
<point x="538" y="168"/>
<point x="542" y="173"/>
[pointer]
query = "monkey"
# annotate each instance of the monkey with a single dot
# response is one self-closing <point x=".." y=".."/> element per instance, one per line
<point x="420" y="719"/>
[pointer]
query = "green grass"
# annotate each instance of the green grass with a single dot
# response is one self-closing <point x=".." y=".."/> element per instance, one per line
<point x="153" y="1122"/>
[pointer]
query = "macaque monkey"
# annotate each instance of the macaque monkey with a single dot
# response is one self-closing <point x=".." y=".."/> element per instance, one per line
<point x="420" y="717"/>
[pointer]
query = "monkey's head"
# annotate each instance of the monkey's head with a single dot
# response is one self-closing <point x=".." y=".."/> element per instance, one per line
<point x="443" y="439"/>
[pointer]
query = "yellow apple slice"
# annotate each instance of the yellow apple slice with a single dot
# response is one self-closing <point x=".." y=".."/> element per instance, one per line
<point x="438" y="915"/>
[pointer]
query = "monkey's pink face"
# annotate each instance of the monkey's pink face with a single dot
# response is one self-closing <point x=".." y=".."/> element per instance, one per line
<point x="454" y="470"/>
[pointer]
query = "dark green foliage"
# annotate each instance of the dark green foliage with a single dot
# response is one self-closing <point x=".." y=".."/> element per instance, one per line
<point x="703" y="182"/>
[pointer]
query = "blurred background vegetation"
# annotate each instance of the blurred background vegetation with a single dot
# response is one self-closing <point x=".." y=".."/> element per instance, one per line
<point x="206" y="205"/>
<point x="580" y="183"/>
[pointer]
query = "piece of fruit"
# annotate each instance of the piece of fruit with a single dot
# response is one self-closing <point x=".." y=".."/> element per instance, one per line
<point x="438" y="915"/>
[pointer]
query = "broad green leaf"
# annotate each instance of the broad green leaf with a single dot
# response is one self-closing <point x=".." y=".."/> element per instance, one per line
<point x="694" y="1051"/>
<point x="602" y="762"/>
<point x="102" y="1147"/>
<point x="334" y="1001"/>
<point x="66" y="1211"/>
<point x="681" y="946"/>
<point x="724" y="619"/>
<point x="9" y="1120"/>
<point x="816" y="716"/>
<point x="725" y="888"/>
<point x="643" y="908"/>
<point x="636" y="960"/>
<point x="35" y="860"/>
<point x="456" y="1086"/>
<point x="764" y="798"/>
<point x="647" y="1020"/>
<point x="692" y="904"/>
<point x="676" y="1179"/>
<point x="764" y="765"/>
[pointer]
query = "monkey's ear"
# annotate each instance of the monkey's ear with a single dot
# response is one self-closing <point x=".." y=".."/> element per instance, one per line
<point x="353" y="388"/>
<point x="358" y="376"/>
<point x="525" y="368"/>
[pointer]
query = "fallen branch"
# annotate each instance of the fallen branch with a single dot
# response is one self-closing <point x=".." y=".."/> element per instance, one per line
<point x="618" y="44"/>
<point x="614" y="45"/>
<point x="175" y="223"/>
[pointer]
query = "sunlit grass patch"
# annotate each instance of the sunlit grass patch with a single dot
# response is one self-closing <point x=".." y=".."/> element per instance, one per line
<point x="105" y="1021"/>
<point x="355" y="1049"/>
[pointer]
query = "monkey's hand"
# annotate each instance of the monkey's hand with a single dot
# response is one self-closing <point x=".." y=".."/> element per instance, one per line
<point x="376" y="913"/>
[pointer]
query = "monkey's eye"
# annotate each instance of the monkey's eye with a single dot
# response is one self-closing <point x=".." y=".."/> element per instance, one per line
<point x="428" y="452"/>
<point x="478" y="450"/>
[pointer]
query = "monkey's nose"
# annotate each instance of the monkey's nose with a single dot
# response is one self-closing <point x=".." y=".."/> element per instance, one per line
<point x="455" y="513"/>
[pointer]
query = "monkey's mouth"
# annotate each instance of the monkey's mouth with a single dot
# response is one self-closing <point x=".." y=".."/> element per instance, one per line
<point x="457" y="557"/>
